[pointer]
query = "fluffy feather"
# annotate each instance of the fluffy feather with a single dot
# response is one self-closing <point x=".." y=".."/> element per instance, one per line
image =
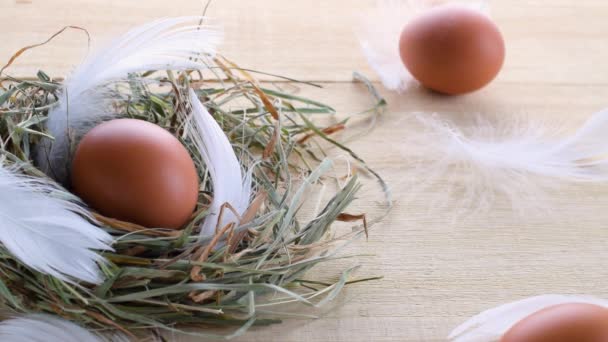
<point x="165" y="44"/>
<point x="230" y="184"/>
<point x="490" y="325"/>
<point x="45" y="328"/>
<point x="48" y="233"/>
<point x="520" y="160"/>
<point x="379" y="32"/>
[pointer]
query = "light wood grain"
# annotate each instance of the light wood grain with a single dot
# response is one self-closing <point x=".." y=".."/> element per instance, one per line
<point x="436" y="273"/>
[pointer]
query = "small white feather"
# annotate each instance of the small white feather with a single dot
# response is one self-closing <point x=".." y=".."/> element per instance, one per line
<point x="379" y="31"/>
<point x="230" y="184"/>
<point x="47" y="233"/>
<point x="490" y="325"/>
<point x="46" y="328"/>
<point x="521" y="161"/>
<point x="165" y="44"/>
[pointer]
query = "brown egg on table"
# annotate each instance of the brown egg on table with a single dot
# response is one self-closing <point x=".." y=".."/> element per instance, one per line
<point x="575" y="322"/>
<point x="136" y="171"/>
<point x="452" y="49"/>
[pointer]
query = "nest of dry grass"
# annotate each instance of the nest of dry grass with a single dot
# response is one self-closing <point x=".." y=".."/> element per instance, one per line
<point x="167" y="280"/>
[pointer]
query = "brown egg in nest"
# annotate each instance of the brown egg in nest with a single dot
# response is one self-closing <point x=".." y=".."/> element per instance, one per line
<point x="136" y="171"/>
<point x="452" y="49"/>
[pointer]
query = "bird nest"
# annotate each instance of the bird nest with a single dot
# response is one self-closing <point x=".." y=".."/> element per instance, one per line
<point x="155" y="279"/>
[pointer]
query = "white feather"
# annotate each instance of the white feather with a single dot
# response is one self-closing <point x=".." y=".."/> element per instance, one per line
<point x="46" y="233"/>
<point x="517" y="160"/>
<point x="230" y="184"/>
<point x="165" y="44"/>
<point x="46" y="328"/>
<point x="379" y="31"/>
<point x="490" y="325"/>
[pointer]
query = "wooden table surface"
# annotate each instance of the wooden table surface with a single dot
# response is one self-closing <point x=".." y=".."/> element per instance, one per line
<point x="436" y="272"/>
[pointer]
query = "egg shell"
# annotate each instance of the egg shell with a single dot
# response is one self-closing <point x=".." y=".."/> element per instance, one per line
<point x="136" y="171"/>
<point x="452" y="49"/>
<point x="573" y="322"/>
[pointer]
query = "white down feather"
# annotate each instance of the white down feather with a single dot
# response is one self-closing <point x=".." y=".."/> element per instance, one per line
<point x="230" y="184"/>
<point x="472" y="166"/>
<point x="46" y="328"/>
<point x="48" y="233"/>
